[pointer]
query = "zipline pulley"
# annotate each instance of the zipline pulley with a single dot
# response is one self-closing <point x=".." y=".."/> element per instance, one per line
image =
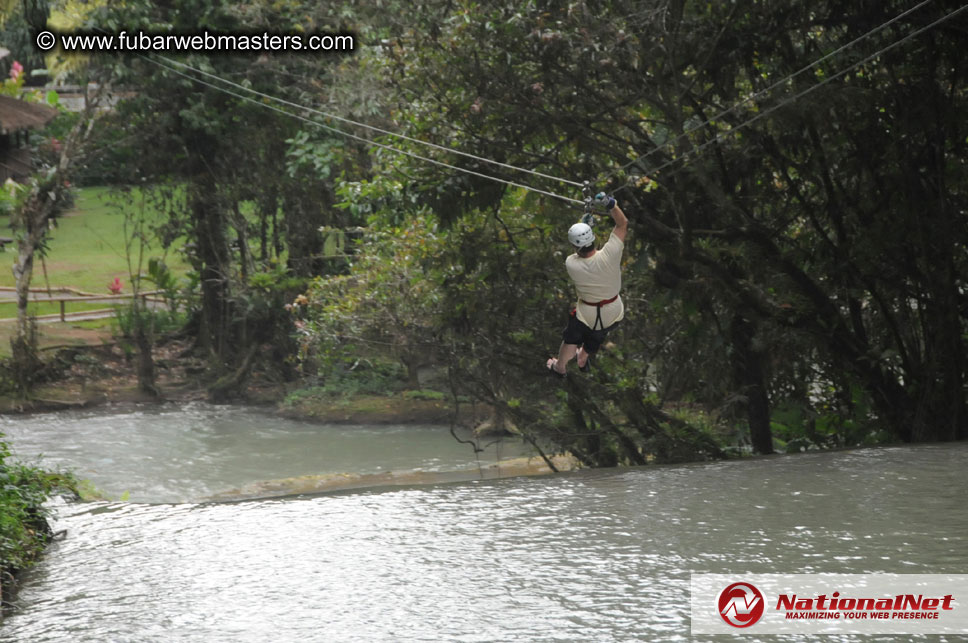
<point x="589" y="199"/>
<point x="601" y="202"/>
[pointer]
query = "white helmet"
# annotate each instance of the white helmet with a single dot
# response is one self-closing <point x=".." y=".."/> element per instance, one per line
<point x="581" y="235"/>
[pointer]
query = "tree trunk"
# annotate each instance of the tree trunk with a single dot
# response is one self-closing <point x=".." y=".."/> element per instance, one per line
<point x="23" y="346"/>
<point x="212" y="248"/>
<point x="23" y="271"/>
<point x="941" y="413"/>
<point x="230" y="386"/>
<point x="413" y="360"/>
<point x="276" y="237"/>
<point x="246" y="262"/>
<point x="39" y="207"/>
<point x="146" y="363"/>
<point x="748" y="375"/>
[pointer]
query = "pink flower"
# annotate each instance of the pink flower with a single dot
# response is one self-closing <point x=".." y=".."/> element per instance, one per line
<point x="115" y="286"/>
<point x="15" y="70"/>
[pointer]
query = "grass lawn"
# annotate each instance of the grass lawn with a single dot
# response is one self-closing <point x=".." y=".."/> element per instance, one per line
<point x="9" y="309"/>
<point x="87" y="248"/>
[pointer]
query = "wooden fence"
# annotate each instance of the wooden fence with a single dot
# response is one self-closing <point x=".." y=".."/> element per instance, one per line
<point x="79" y="296"/>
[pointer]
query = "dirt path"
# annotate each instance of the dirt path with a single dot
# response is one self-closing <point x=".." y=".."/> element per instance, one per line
<point x="57" y="333"/>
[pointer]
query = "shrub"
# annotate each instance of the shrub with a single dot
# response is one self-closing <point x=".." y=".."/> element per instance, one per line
<point x="23" y="526"/>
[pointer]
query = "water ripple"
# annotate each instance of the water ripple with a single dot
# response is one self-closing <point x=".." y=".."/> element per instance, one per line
<point x="588" y="556"/>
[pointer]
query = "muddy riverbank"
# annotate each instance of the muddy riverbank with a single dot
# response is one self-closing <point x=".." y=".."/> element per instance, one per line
<point x="105" y="375"/>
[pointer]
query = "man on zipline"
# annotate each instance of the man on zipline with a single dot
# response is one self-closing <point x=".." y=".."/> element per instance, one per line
<point x="597" y="275"/>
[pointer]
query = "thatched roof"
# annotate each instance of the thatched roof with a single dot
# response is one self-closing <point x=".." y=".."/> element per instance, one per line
<point x="17" y="115"/>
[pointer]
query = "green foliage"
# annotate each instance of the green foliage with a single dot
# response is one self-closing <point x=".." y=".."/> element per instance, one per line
<point x="11" y="197"/>
<point x="161" y="277"/>
<point x="114" y="161"/>
<point x="262" y="307"/>
<point x="276" y="278"/>
<point x="245" y="214"/>
<point x="356" y="377"/>
<point x="315" y="156"/>
<point x="23" y="491"/>
<point x="796" y="253"/>
<point x="425" y="394"/>
<point x="160" y="321"/>
<point x="389" y="300"/>
<point x="792" y="267"/>
<point x="834" y="418"/>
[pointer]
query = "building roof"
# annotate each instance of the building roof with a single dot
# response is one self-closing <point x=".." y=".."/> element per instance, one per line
<point x="16" y="114"/>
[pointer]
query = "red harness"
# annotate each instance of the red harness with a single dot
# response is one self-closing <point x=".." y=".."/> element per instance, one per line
<point x="598" y="310"/>
<point x="601" y="303"/>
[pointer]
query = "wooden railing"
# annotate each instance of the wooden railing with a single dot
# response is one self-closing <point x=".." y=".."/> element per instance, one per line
<point x="80" y="296"/>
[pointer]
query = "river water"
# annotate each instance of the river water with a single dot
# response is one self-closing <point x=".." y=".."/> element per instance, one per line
<point x="188" y="453"/>
<point x="600" y="555"/>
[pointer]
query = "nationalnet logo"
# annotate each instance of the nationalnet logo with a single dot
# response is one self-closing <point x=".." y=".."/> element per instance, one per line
<point x="741" y="605"/>
<point x="900" y="606"/>
<point x="830" y="603"/>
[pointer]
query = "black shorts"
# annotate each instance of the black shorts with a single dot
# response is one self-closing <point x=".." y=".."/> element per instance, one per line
<point x="577" y="332"/>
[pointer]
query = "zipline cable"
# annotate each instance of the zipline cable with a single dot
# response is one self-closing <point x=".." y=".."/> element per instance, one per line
<point x="787" y="101"/>
<point x="361" y="138"/>
<point x="764" y="91"/>
<point x="365" y="126"/>
<point x="605" y="177"/>
<point x="540" y="174"/>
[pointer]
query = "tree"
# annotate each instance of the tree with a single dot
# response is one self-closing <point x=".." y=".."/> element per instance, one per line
<point x="41" y="200"/>
<point x="813" y="224"/>
<point x="218" y="157"/>
<point x="389" y="300"/>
